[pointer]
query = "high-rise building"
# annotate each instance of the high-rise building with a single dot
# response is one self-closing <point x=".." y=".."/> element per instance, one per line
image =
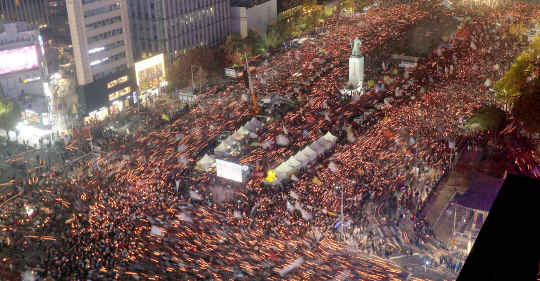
<point x="171" y="26"/>
<point x="33" y="12"/>
<point x="103" y="55"/>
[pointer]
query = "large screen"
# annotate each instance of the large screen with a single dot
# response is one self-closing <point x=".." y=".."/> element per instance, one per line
<point x="229" y="170"/>
<point x="18" y="59"/>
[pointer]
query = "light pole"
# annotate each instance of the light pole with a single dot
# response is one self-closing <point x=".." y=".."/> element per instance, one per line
<point x="192" y="83"/>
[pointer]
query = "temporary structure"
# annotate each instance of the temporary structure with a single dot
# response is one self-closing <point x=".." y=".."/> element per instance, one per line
<point x="330" y="137"/>
<point x="206" y="162"/>
<point x="222" y="147"/>
<point x="293" y="162"/>
<point x="256" y="122"/>
<point x="243" y="131"/>
<point x="239" y="137"/>
<point x="316" y="147"/>
<point x="310" y="152"/>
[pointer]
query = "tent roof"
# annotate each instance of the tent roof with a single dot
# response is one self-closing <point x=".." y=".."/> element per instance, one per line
<point x="230" y="141"/>
<point x="445" y="3"/>
<point x="301" y="157"/>
<point x="238" y="137"/>
<point x="481" y="193"/>
<point x="330" y="137"/>
<point x="292" y="162"/>
<point x="221" y="147"/>
<point x="256" y="122"/>
<point x="315" y="146"/>
<point x="322" y="141"/>
<point x="283" y="168"/>
<point x="206" y="160"/>
<point x="308" y="151"/>
<point x="243" y="131"/>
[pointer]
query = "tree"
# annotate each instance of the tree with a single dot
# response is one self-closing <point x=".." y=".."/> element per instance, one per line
<point x="229" y="55"/>
<point x="179" y="74"/>
<point x="10" y="115"/>
<point x="508" y="88"/>
<point x="526" y="107"/>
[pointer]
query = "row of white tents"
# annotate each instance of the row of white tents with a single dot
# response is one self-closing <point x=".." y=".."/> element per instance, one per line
<point x="249" y="130"/>
<point x="305" y="156"/>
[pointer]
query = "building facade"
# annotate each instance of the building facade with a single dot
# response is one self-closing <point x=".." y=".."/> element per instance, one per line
<point x="101" y="39"/>
<point x="247" y="15"/>
<point x="171" y="27"/>
<point x="33" y="12"/>
<point x="21" y="60"/>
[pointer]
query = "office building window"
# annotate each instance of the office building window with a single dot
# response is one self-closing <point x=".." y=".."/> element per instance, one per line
<point x="105" y="35"/>
<point x="103" y="23"/>
<point x="107" y="47"/>
<point x="101" y="10"/>
<point x="98" y="63"/>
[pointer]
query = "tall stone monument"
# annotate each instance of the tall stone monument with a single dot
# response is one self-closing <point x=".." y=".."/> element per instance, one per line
<point x="356" y="66"/>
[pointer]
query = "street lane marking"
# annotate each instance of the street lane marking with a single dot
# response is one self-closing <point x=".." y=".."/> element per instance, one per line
<point x="394" y="239"/>
<point x="408" y="276"/>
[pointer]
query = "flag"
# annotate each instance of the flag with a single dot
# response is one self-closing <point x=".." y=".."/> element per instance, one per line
<point x="317" y="181"/>
<point x="411" y="140"/>
<point x="388" y="133"/>
<point x="165" y="117"/>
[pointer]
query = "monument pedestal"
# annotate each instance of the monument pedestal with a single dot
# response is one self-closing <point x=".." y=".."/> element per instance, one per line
<point x="356" y="76"/>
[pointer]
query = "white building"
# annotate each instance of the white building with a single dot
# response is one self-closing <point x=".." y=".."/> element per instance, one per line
<point x="21" y="60"/>
<point x="171" y="27"/>
<point x="101" y="37"/>
<point x="255" y="15"/>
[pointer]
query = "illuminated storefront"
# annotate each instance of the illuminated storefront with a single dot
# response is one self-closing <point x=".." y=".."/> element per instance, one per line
<point x="150" y="75"/>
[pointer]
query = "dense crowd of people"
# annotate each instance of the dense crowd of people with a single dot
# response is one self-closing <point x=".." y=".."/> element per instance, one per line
<point x="144" y="212"/>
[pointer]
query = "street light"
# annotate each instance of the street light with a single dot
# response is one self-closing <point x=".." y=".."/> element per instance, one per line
<point x="193" y="84"/>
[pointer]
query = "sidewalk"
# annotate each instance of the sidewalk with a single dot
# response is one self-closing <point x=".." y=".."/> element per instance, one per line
<point x="441" y="220"/>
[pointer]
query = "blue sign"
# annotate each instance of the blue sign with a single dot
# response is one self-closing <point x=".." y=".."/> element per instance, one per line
<point x="337" y="224"/>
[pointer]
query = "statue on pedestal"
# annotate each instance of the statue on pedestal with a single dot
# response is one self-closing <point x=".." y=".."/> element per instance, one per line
<point x="355" y="46"/>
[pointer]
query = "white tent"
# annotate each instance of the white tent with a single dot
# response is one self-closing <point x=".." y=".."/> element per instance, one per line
<point x="206" y="160"/>
<point x="243" y="131"/>
<point x="445" y="3"/>
<point x="301" y="157"/>
<point x="324" y="142"/>
<point x="293" y="162"/>
<point x="256" y="122"/>
<point x="239" y="137"/>
<point x="222" y="147"/>
<point x="330" y="137"/>
<point x="250" y="127"/>
<point x="316" y="147"/>
<point x="230" y="141"/>
<point x="283" y="170"/>
<point x="310" y="152"/>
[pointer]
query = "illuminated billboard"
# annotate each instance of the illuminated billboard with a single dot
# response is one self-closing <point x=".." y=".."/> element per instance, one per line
<point x="229" y="170"/>
<point x="18" y="59"/>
